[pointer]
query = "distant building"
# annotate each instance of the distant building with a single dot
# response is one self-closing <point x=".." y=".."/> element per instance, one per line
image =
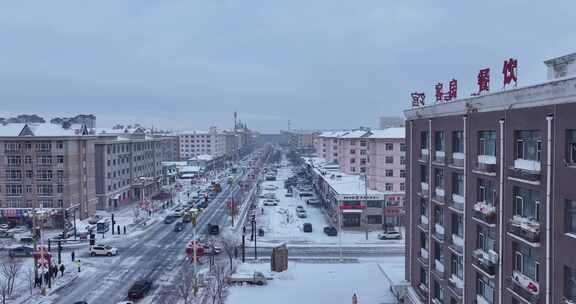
<point x="390" y="122"/>
<point x="491" y="196"/>
<point x="46" y="166"/>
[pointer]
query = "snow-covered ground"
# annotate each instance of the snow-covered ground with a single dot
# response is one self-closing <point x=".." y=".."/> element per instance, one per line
<point x="322" y="283"/>
<point x="281" y="223"/>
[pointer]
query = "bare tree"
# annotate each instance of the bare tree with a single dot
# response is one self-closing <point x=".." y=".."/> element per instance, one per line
<point x="217" y="285"/>
<point x="186" y="287"/>
<point x="230" y="246"/>
<point x="30" y="276"/>
<point x="8" y="273"/>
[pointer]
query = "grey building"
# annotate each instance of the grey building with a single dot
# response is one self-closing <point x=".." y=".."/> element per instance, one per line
<point x="491" y="200"/>
<point x="129" y="166"/>
<point x="49" y="167"/>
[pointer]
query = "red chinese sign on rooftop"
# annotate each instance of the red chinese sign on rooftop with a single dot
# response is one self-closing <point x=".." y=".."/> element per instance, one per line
<point x="510" y="70"/>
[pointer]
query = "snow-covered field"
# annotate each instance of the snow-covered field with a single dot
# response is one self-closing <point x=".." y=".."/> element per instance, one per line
<point x="281" y="223"/>
<point x="322" y="283"/>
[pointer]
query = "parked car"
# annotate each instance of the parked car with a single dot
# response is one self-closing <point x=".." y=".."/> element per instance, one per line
<point x="169" y="219"/>
<point x="213" y="229"/>
<point x="270" y="202"/>
<point x="306" y="194"/>
<point x="330" y="231"/>
<point x="179" y="227"/>
<point x="139" y="289"/>
<point x="270" y="187"/>
<point x="299" y="208"/>
<point x="106" y="250"/>
<point x="390" y="235"/>
<point x="22" y="251"/>
<point x="27" y="240"/>
<point x="301" y="214"/>
<point x="307" y="227"/>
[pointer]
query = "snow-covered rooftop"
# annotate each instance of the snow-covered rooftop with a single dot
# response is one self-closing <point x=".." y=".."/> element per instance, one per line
<point x="41" y="129"/>
<point x="388" y="133"/>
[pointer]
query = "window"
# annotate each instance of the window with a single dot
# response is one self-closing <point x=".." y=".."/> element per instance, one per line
<point x="458" y="183"/>
<point x="525" y="262"/>
<point x="402" y="147"/>
<point x="28" y="159"/>
<point x="362" y="169"/>
<point x="439" y="141"/>
<point x="439" y="178"/>
<point x="352" y="151"/>
<point x="526" y="204"/>
<point x="402" y="187"/>
<point x="44" y="175"/>
<point x="13" y="190"/>
<point x="59" y="144"/>
<point x="374" y="204"/>
<point x="389" y="173"/>
<point x="438" y="252"/>
<point x="423" y="241"/>
<point x="60" y="188"/>
<point x="29" y="174"/>
<point x="423" y="207"/>
<point x="439" y="292"/>
<point x="362" y="152"/>
<point x="487" y="143"/>
<point x="13" y="160"/>
<point x="388" y="186"/>
<point x="362" y="161"/>
<point x="14" y="175"/>
<point x="353" y="169"/>
<point x="60" y="159"/>
<point x="485" y="288"/>
<point x="528" y="145"/>
<point x="423" y="174"/>
<point x="457" y="266"/>
<point x="439" y="216"/>
<point x="44" y="189"/>
<point x="569" y="283"/>
<point x="423" y="140"/>
<point x="486" y="191"/>
<point x="352" y="160"/>
<point x="403" y="173"/>
<point x="374" y="219"/>
<point x="457" y="142"/>
<point x="486" y="239"/>
<point x="389" y="146"/>
<point x="402" y="160"/>
<point x="389" y="159"/>
<point x="571" y="146"/>
<point x="457" y="225"/>
<point x="570" y="212"/>
<point x="362" y="143"/>
<point x="423" y="276"/>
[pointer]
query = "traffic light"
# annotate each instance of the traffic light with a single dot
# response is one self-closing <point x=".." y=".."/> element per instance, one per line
<point x="92" y="239"/>
<point x="66" y="214"/>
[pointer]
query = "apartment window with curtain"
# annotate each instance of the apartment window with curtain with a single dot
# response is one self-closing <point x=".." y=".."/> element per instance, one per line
<point x="423" y="207"/>
<point x="424" y="140"/>
<point x="457" y="266"/>
<point x="457" y="142"/>
<point x="423" y="241"/>
<point x="439" y="215"/>
<point x="457" y="225"/>
<point x="485" y="288"/>
<point x="526" y="203"/>
<point x="525" y="262"/>
<point x="570" y="213"/>
<point x="423" y="276"/>
<point x="439" y="178"/>
<point x="439" y="292"/>
<point x="439" y="141"/>
<point x="570" y="283"/>
<point x="487" y="143"/>
<point x="571" y="146"/>
<point x="528" y="145"/>
<point x="486" y="239"/>
<point x="423" y="174"/>
<point x="486" y="191"/>
<point x="438" y="252"/>
<point x="458" y="183"/>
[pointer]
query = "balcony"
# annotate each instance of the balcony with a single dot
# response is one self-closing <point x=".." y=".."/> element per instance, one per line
<point x="525" y="287"/>
<point x="527" y="170"/>
<point x="439" y="157"/>
<point x="424" y="155"/>
<point x="457" y="243"/>
<point x="438" y="195"/>
<point x="423" y="189"/>
<point x="526" y="229"/>
<point x="424" y="220"/>
<point x="457" y="160"/>
<point x="439" y="232"/>
<point x="456" y="284"/>
<point x="486" y="261"/>
<point x="457" y="202"/>
<point x="438" y="266"/>
<point x="485" y="212"/>
<point x="486" y="164"/>
<point x="422" y="291"/>
<point x="423" y="256"/>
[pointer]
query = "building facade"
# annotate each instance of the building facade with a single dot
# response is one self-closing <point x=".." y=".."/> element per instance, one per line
<point x="46" y="166"/>
<point x="129" y="166"/>
<point x="194" y="143"/>
<point x="492" y="209"/>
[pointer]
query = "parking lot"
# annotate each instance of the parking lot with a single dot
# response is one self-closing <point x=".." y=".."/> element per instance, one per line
<point x="281" y="223"/>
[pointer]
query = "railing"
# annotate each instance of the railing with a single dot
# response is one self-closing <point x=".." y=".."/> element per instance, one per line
<point x="424" y="155"/>
<point x="457" y="160"/>
<point x="525" y="228"/>
<point x="438" y="195"/>
<point x="439" y="157"/>
<point x="485" y="261"/>
<point x="526" y="169"/>
<point x="520" y="285"/>
<point x="457" y="243"/>
<point x="439" y="231"/>
<point x="424" y="187"/>
<point x="456" y="284"/>
<point x="485" y="212"/>
<point x="486" y="164"/>
<point x="457" y="202"/>
<point x="422" y="291"/>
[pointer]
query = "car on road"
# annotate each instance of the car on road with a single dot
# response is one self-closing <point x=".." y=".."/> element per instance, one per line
<point x="169" y="219"/>
<point x="213" y="229"/>
<point x="330" y="231"/>
<point x="270" y="187"/>
<point x="305" y="194"/>
<point x="179" y="227"/>
<point x="106" y="250"/>
<point x="94" y="219"/>
<point x="139" y="289"/>
<point x="270" y="202"/>
<point x="299" y="208"/>
<point x="288" y="194"/>
<point x="390" y="235"/>
<point x="307" y="227"/>
<point x="301" y="213"/>
<point x="22" y="251"/>
<point x="313" y="201"/>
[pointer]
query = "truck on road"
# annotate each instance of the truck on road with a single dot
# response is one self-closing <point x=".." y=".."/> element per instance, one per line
<point x="257" y="278"/>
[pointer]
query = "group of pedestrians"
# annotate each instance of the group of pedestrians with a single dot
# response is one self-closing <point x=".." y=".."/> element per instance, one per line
<point x="49" y="275"/>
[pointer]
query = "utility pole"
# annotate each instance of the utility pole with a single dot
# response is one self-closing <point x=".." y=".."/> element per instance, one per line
<point x="243" y="244"/>
<point x="194" y="256"/>
<point x="366" y="199"/>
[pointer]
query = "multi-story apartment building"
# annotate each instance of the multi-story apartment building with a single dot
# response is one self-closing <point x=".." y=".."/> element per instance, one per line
<point x="129" y="166"/>
<point x="378" y="155"/>
<point x="194" y="143"/>
<point x="302" y="141"/>
<point x="46" y="166"/>
<point x="492" y="206"/>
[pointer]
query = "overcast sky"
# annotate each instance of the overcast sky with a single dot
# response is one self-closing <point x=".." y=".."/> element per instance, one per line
<point x="321" y="64"/>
